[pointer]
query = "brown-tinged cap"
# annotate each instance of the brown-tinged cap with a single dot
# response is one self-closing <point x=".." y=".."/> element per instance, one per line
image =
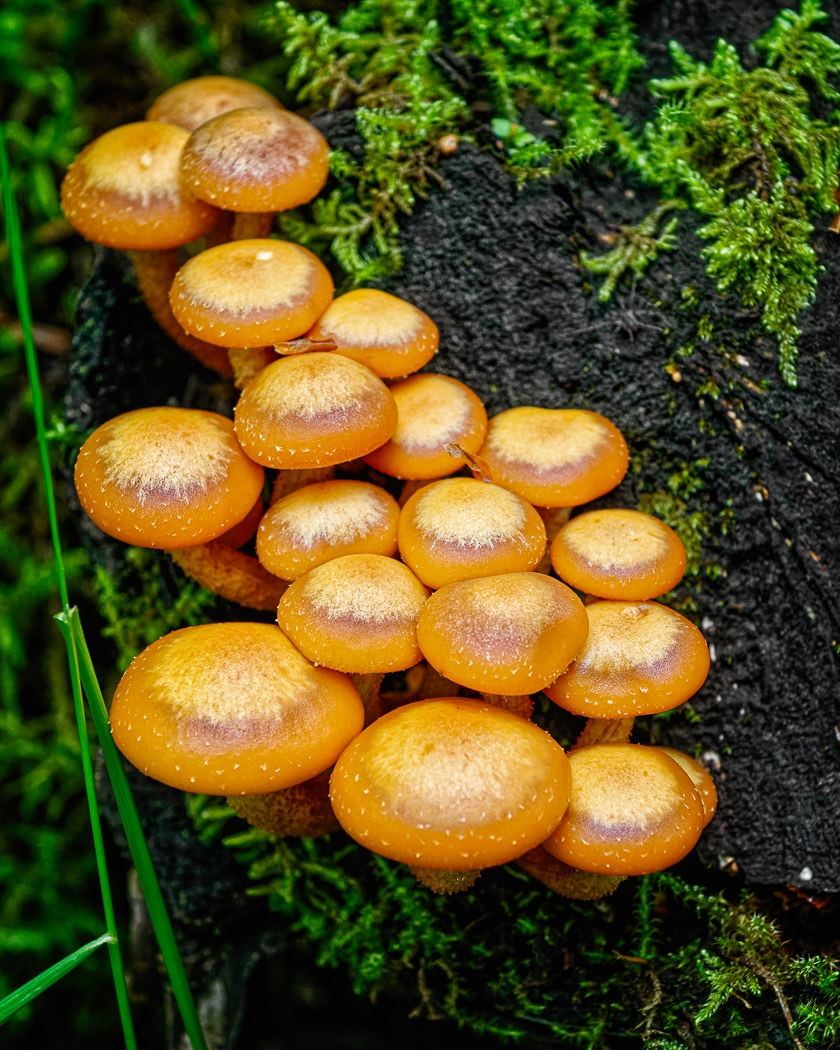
<point x="555" y="457"/>
<point x="193" y="102"/>
<point x="450" y="784"/>
<point x="232" y="709"/>
<point x="124" y="190"/>
<point x="166" y="477"/>
<point x="256" y="159"/>
<point x="251" y="292"/>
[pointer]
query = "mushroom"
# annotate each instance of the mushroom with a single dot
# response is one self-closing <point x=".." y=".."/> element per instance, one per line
<point x="313" y="410"/>
<point x="700" y="778"/>
<point x="506" y="636"/>
<point x="435" y="414"/>
<point x="326" y="520"/>
<point x="555" y="458"/>
<point x="357" y="613"/>
<point x="618" y="553"/>
<point x="255" y="160"/>
<point x="176" y="479"/>
<point x="460" y="528"/>
<point x="450" y="786"/>
<point x="640" y="658"/>
<point x="392" y="337"/>
<point x="232" y="709"/>
<point x="193" y="102"/>
<point x="248" y="294"/>
<point x="632" y="811"/>
<point x="124" y="191"/>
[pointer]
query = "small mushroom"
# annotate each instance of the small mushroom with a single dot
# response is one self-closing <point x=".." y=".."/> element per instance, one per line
<point x="176" y="479"/>
<point x="326" y="520"/>
<point x="435" y="414"/>
<point x="313" y="410"/>
<point x="632" y="811"/>
<point x="193" y="102"/>
<point x="618" y="553"/>
<point x="392" y="337"/>
<point x="460" y="528"/>
<point x="450" y="785"/>
<point x="232" y="709"/>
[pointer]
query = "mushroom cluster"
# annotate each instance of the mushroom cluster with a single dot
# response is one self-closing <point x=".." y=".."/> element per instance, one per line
<point x="392" y="529"/>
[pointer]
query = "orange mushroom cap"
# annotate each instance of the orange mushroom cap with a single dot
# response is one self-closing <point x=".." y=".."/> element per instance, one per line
<point x="555" y="457"/>
<point x="435" y="412"/>
<point x="632" y="811"/>
<point x="511" y="634"/>
<point x="326" y="520"/>
<point x="639" y="658"/>
<point x="459" y="528"/>
<point x="124" y="190"/>
<point x="250" y="293"/>
<point x="450" y="784"/>
<point x="618" y="553"/>
<point x="193" y="102"/>
<point x="255" y="159"/>
<point x="313" y="410"/>
<point x="392" y="337"/>
<point x="232" y="709"/>
<point x="166" y="477"/>
<point x="357" y="613"/>
<point x="700" y="778"/>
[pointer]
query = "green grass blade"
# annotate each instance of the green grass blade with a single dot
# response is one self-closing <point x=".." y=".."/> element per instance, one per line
<point x="32" y="989"/>
<point x="71" y="628"/>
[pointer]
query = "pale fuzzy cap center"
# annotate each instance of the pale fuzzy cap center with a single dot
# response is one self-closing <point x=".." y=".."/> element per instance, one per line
<point x="615" y="789"/>
<point x="138" y="161"/>
<point x="469" y="513"/>
<point x="367" y="588"/>
<point x="623" y="636"/>
<point x="545" y="438"/>
<point x="308" y="386"/>
<point x="173" y="453"/>
<point x="368" y="316"/>
<point x="432" y="412"/>
<point x="231" y="675"/>
<point x="616" y="539"/>
<point x="243" y="277"/>
<point x="346" y="516"/>
<point x="440" y="767"/>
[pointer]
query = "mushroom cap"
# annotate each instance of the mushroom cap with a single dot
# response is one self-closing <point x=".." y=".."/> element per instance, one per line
<point x="326" y="520"/>
<point x="232" y="709"/>
<point x="435" y="411"/>
<point x="389" y="335"/>
<point x="632" y="811"/>
<point x="124" y="190"/>
<point x="450" y="784"/>
<point x="512" y="633"/>
<point x="251" y="292"/>
<point x="166" y="477"/>
<point x="255" y="159"/>
<point x="313" y="410"/>
<point x="555" y="457"/>
<point x="460" y="528"/>
<point x="618" y="553"/>
<point x="193" y="102"/>
<point x="357" y="613"/>
<point x="639" y="658"/>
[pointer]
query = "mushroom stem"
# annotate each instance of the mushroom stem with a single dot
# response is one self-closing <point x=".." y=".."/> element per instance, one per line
<point x="445" y="881"/>
<point x="247" y="362"/>
<point x="231" y="574"/>
<point x="519" y="705"/>
<point x="605" y="731"/>
<point x="369" y="686"/>
<point x="288" y="481"/>
<point x="155" y="271"/>
<point x="302" y="810"/>
<point x="565" y="880"/>
<point x="247" y="224"/>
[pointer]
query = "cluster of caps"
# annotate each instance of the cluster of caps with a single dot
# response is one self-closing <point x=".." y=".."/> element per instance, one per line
<point x="404" y="532"/>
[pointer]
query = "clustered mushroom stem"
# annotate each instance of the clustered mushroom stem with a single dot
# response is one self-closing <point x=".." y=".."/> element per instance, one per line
<point x="247" y="362"/>
<point x="302" y="810"/>
<point x="445" y="881"/>
<point x="605" y="731"/>
<point x="519" y="705"/>
<point x="288" y="481"/>
<point x="369" y="686"/>
<point x="231" y="574"/>
<point x="251" y="224"/>
<point x="154" y="271"/>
